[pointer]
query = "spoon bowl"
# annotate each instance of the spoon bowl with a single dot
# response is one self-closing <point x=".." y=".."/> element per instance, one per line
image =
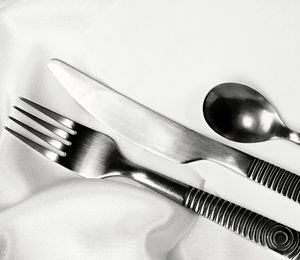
<point x="240" y="113"/>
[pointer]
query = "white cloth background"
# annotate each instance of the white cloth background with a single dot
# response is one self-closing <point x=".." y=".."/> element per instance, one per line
<point x="166" y="55"/>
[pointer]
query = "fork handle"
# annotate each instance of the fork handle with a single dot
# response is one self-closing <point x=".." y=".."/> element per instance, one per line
<point x="253" y="226"/>
<point x="246" y="223"/>
<point x="273" y="177"/>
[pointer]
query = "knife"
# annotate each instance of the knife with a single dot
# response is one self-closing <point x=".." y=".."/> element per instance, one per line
<point x="165" y="137"/>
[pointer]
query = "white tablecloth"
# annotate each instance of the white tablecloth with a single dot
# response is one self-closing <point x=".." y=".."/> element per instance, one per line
<point x="166" y="55"/>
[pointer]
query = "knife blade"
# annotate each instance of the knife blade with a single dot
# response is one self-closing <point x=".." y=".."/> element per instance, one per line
<point x="163" y="136"/>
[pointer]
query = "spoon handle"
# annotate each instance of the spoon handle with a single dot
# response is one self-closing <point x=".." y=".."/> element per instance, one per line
<point x="275" y="178"/>
<point x="253" y="226"/>
<point x="293" y="137"/>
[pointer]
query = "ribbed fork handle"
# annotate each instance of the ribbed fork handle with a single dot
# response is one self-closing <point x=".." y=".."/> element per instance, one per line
<point x="275" y="178"/>
<point x="246" y="223"/>
<point x="255" y="227"/>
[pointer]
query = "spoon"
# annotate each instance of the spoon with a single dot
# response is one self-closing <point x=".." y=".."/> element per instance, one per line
<point x="241" y="114"/>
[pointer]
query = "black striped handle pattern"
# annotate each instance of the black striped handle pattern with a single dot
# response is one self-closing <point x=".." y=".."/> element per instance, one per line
<point x="275" y="178"/>
<point x="255" y="227"/>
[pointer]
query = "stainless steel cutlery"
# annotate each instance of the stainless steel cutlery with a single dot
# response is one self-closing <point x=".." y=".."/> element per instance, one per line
<point x="241" y="114"/>
<point x="164" y="136"/>
<point x="92" y="154"/>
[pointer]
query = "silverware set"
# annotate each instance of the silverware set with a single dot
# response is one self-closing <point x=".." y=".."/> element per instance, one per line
<point x="92" y="154"/>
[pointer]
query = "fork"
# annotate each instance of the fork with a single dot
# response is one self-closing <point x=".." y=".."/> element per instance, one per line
<point x="92" y="154"/>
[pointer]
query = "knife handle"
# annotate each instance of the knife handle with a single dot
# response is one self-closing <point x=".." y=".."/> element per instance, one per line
<point x="253" y="226"/>
<point x="273" y="177"/>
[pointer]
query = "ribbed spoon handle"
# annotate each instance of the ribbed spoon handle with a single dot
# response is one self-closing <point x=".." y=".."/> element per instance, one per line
<point x="253" y="226"/>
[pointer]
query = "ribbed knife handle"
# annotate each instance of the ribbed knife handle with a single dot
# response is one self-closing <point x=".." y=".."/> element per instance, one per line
<point x="275" y="178"/>
<point x="255" y="227"/>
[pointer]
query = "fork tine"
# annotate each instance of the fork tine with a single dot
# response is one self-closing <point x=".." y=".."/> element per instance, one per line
<point x="57" y="117"/>
<point x="39" y="148"/>
<point x="59" y="132"/>
<point x="55" y="143"/>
